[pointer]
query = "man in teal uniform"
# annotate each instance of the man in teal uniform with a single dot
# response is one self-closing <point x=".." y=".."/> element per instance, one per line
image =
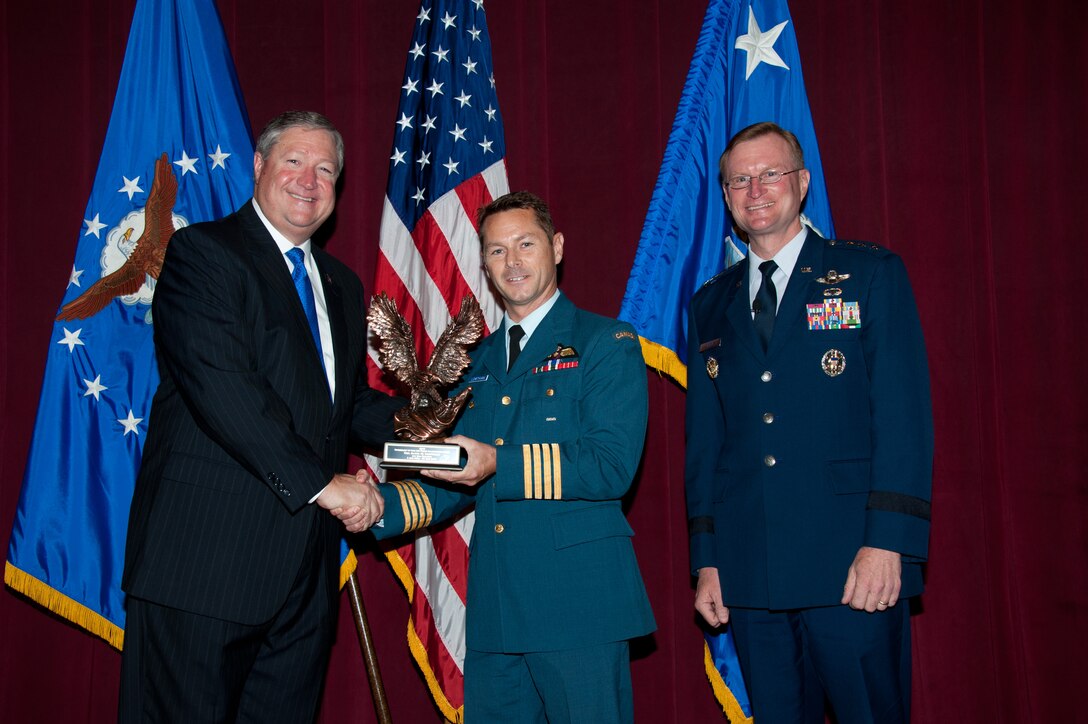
<point x="809" y="452"/>
<point x="554" y="432"/>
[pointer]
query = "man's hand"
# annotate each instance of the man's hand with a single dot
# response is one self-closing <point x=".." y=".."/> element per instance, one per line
<point x="873" y="580"/>
<point x="708" y="598"/>
<point x="480" y="465"/>
<point x="354" y="499"/>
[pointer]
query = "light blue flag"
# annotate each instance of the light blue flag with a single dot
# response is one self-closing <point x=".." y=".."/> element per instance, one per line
<point x="177" y="151"/>
<point x="746" y="69"/>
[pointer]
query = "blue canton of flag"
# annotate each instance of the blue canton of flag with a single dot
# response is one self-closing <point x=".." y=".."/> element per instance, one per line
<point x="746" y="69"/>
<point x="177" y="151"/>
<point x="449" y="125"/>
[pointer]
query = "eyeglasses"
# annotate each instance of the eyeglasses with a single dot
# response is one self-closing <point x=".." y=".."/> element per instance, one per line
<point x="766" y="178"/>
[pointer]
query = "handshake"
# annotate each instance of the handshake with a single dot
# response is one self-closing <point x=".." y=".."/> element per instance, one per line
<point x="354" y="499"/>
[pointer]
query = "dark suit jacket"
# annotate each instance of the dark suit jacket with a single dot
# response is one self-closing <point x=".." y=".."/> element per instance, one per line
<point x="552" y="565"/>
<point x="242" y="432"/>
<point x="790" y="467"/>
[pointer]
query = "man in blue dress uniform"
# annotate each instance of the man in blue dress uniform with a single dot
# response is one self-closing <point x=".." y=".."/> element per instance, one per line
<point x="809" y="452"/>
<point x="554" y="432"/>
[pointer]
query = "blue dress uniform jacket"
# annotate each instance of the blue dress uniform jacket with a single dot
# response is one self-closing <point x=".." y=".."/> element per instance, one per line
<point x="552" y="565"/>
<point x="800" y="455"/>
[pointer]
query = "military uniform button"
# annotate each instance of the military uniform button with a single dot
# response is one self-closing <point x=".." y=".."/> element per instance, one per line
<point x="498" y="441"/>
<point x="506" y="399"/>
<point x="766" y="376"/>
<point x="471" y="404"/>
<point x="768" y="417"/>
<point x="549" y="392"/>
<point x="499" y="528"/>
<point x="769" y="461"/>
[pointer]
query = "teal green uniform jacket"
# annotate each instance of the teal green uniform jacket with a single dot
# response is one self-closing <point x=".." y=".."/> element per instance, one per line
<point x="551" y="561"/>
<point x="800" y="455"/>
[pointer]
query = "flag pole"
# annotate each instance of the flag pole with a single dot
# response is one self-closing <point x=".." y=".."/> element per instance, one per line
<point x="370" y="656"/>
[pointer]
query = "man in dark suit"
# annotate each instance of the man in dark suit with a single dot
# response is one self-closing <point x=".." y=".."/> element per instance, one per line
<point x="554" y="433"/>
<point x="809" y="452"/>
<point x="231" y="566"/>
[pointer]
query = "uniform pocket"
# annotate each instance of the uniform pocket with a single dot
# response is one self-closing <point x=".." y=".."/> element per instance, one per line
<point x="589" y="524"/>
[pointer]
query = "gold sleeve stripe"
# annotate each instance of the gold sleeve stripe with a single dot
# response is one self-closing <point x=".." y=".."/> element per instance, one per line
<point x="415" y="504"/>
<point x="542" y="471"/>
<point x="538" y="493"/>
<point x="557" y="476"/>
<point x="547" y="454"/>
<point x="527" y="473"/>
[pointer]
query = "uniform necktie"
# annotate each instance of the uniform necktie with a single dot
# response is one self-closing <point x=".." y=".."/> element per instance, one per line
<point x="306" y="296"/>
<point x="765" y="306"/>
<point x="516" y="333"/>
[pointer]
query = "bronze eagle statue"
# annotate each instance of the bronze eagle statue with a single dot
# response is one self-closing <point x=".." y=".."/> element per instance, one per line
<point x="145" y="260"/>
<point x="430" y="413"/>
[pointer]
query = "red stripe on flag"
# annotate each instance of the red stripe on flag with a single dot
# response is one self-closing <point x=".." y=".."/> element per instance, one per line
<point x="440" y="262"/>
<point x="474" y="195"/>
<point x="452" y="553"/>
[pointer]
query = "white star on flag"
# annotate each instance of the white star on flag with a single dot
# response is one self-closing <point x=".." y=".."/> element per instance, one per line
<point x="448" y="21"/>
<point x="218" y="158"/>
<point x="94" y="226"/>
<point x="417" y="51"/>
<point x="458" y="133"/>
<point x="397" y="157"/>
<point x="463" y="99"/>
<point x="412" y="86"/>
<point x="441" y="54"/>
<point x="131" y="187"/>
<point x="73" y="278"/>
<point x="760" y="45"/>
<point x="94" y="387"/>
<point x="71" y="339"/>
<point x="130" y="423"/>
<point x="405" y="122"/>
<point x="451" y="166"/>
<point x="186" y="164"/>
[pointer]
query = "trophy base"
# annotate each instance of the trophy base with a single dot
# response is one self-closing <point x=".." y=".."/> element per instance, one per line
<point x="423" y="456"/>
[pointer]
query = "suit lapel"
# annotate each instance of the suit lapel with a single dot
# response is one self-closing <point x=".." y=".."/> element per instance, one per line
<point x="272" y="269"/>
<point x="738" y="310"/>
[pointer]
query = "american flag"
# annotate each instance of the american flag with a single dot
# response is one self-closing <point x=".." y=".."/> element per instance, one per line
<point x="447" y="161"/>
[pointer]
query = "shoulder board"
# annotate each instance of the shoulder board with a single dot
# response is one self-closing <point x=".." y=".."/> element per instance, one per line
<point x="857" y="245"/>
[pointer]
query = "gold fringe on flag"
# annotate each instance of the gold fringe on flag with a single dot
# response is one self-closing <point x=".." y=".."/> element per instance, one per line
<point x="63" y="606"/>
<point x="721" y="691"/>
<point x="664" y="360"/>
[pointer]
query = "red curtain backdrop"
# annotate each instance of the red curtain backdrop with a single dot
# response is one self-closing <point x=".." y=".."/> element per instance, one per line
<point x="951" y="132"/>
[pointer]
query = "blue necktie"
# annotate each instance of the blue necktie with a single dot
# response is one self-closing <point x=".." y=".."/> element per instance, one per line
<point x="765" y="306"/>
<point x="306" y="295"/>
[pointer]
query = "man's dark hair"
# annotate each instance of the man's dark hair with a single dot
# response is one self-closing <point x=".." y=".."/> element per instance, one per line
<point x="513" y="201"/>
<point x="309" y="120"/>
